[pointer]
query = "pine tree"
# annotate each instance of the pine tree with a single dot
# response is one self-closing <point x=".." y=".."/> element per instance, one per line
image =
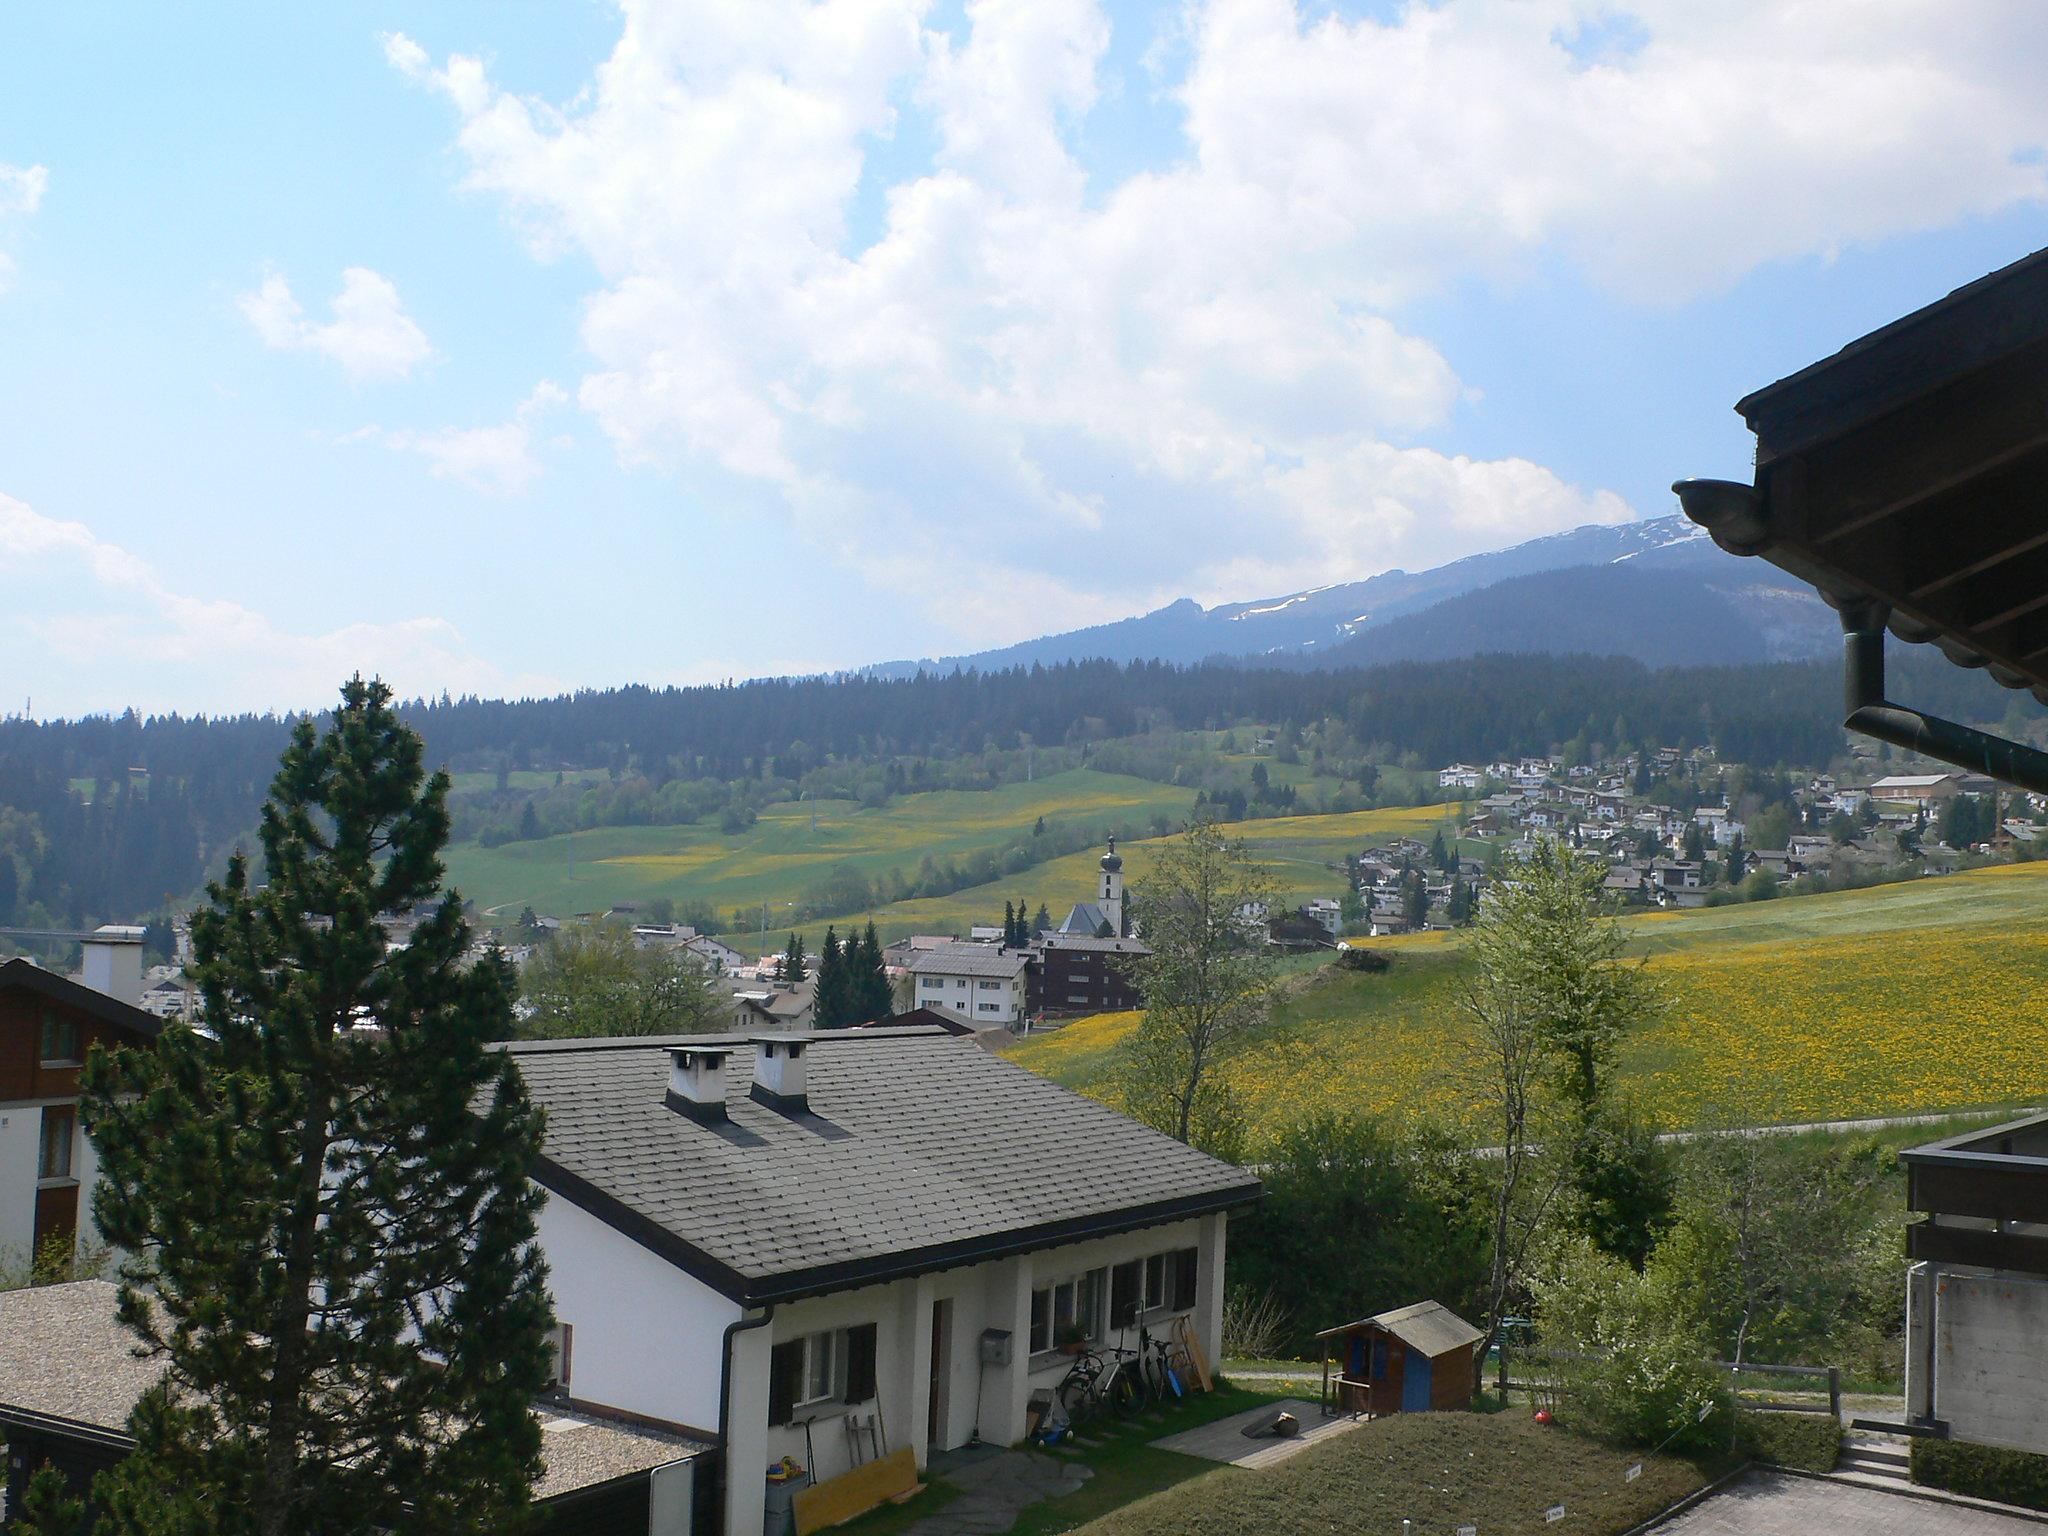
<point x="48" y="1507"/>
<point x="793" y="961"/>
<point x="1009" y="922"/>
<point x="328" y="1230"/>
<point x="1043" y="920"/>
<point x="829" y="1005"/>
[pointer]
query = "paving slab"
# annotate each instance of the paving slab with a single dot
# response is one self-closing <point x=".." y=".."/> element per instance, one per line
<point x="1225" y="1440"/>
<point x="1781" y="1504"/>
<point x="995" y="1489"/>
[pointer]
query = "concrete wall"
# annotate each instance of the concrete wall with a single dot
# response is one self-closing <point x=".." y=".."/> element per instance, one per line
<point x="1990" y="1375"/>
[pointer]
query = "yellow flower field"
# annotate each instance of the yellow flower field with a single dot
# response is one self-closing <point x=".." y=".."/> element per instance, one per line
<point x="1820" y="1021"/>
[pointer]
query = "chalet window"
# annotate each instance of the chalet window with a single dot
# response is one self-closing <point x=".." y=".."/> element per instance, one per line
<point x="1068" y="1303"/>
<point x="990" y="986"/>
<point x="60" y="1037"/>
<point x="55" y="1160"/>
<point x="1155" y="1282"/>
<point x="1186" y="1265"/>
<point x="821" y="1363"/>
<point x="785" y="1375"/>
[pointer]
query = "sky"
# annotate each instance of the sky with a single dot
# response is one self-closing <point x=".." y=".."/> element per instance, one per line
<point x="506" y="349"/>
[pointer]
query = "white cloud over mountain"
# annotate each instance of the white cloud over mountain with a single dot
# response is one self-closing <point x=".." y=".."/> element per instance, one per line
<point x="69" y="600"/>
<point x="1007" y="362"/>
<point x="370" y="335"/>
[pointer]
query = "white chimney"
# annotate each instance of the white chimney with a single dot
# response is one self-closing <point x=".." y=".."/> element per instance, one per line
<point x="696" y="1081"/>
<point x="780" y="1071"/>
<point x="113" y="963"/>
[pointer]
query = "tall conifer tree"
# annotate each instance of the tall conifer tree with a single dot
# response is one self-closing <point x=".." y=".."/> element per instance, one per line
<point x="828" y="1007"/>
<point x="328" y="1228"/>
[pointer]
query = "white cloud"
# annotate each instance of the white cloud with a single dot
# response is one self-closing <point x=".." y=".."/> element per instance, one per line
<point x="21" y="193"/>
<point x="1206" y="371"/>
<point x="72" y="600"/>
<point x="371" y="335"/>
<point x="495" y="461"/>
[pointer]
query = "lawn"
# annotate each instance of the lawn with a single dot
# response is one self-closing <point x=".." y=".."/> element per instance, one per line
<point x="1891" y="1000"/>
<point x="1125" y="1464"/>
<point x="1498" y="1472"/>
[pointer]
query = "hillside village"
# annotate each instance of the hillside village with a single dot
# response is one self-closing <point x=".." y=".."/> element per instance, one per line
<point x="512" y="1023"/>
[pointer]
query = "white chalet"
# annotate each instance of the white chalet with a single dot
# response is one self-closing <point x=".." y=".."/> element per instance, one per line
<point x="753" y="1240"/>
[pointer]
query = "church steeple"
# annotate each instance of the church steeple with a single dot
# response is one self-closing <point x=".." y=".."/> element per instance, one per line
<point x="1112" y="898"/>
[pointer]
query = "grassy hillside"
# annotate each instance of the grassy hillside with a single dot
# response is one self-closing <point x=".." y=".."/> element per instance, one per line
<point x="1297" y="850"/>
<point x="782" y="855"/>
<point x="1890" y="1000"/>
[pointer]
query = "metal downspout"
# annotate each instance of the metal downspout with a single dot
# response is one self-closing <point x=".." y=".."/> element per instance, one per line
<point x="1869" y="713"/>
<point x="741" y="1324"/>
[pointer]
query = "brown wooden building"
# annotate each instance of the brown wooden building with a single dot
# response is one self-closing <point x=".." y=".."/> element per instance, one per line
<point x="1410" y="1360"/>
<point x="47" y="1024"/>
<point x="1074" y="973"/>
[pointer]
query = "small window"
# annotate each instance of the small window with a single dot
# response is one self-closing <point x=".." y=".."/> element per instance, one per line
<point x="1155" y="1282"/>
<point x="821" y="1364"/>
<point x="1041" y="1321"/>
<point x="55" y="1161"/>
<point x="60" y="1037"/>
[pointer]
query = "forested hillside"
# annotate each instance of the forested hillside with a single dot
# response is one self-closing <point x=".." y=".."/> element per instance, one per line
<point x="108" y="817"/>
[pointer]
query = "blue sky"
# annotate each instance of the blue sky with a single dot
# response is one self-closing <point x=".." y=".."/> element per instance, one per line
<point x="685" y="341"/>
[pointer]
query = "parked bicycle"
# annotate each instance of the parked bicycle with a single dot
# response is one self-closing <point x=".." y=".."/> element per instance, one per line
<point x="1098" y="1381"/>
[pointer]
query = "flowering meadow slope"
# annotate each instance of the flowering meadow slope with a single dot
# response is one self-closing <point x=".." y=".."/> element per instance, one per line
<point x="1892" y="1000"/>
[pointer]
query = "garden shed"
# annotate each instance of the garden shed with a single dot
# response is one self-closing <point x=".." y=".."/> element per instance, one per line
<point x="1409" y="1360"/>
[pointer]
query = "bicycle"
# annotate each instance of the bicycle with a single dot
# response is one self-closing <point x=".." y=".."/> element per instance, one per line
<point x="1092" y="1384"/>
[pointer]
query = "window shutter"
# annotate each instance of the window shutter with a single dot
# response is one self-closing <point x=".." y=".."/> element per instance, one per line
<point x="1123" y="1294"/>
<point x="1187" y="1264"/>
<point x="860" y="1363"/>
<point x="785" y="1366"/>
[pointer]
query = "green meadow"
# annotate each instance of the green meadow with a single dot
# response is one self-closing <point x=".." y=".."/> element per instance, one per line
<point x="784" y="854"/>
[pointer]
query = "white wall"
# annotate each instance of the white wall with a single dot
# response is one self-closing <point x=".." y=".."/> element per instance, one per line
<point x="1991" y="1359"/>
<point x="648" y="1337"/>
<point x="20" y="1145"/>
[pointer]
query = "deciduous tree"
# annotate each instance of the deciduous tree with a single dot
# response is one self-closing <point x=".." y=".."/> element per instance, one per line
<point x="595" y="981"/>
<point x="1207" y="982"/>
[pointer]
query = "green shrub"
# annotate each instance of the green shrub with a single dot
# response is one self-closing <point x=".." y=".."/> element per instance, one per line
<point x="1807" y="1442"/>
<point x="1982" y="1471"/>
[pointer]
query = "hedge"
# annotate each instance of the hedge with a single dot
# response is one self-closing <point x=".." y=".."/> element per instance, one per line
<point x="1982" y="1471"/>
<point x="1806" y="1442"/>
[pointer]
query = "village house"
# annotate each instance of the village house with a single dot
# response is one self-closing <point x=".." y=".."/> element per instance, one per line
<point x="47" y="1023"/>
<point x="1073" y="973"/>
<point x="1460" y="776"/>
<point x="803" y="1245"/>
<point x="69" y="1378"/>
<point x="1919" y="788"/>
<point x="981" y="984"/>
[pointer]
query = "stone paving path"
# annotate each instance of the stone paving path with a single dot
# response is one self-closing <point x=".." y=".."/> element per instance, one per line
<point x="1774" y="1504"/>
<point x="993" y="1492"/>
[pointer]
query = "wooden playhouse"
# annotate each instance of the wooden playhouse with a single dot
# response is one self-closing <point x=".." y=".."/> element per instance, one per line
<point x="1409" y="1360"/>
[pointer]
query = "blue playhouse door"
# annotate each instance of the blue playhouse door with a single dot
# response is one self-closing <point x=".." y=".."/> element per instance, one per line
<point x="1415" y="1385"/>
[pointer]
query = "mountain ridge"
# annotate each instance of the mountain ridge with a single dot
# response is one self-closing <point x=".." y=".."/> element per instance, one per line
<point x="1740" y="610"/>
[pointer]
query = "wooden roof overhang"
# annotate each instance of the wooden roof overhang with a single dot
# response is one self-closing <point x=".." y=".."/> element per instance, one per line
<point x="1906" y="479"/>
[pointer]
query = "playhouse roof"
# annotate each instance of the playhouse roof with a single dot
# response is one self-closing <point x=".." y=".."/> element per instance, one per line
<point x="1428" y="1327"/>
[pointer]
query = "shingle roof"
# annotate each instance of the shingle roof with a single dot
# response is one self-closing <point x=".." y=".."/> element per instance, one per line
<point x="64" y="1356"/>
<point x="919" y="1152"/>
<point x="969" y="960"/>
